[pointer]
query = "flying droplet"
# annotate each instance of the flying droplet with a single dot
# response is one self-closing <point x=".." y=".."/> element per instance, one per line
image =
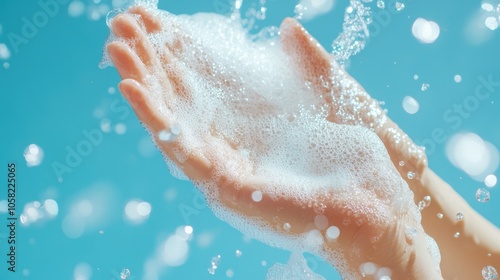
<point x="460" y="217"/>
<point x="401" y="163"/>
<point x="411" y="175"/>
<point x="125" y="273"/>
<point x="457" y="234"/>
<point x="489" y="273"/>
<point x="440" y="215"/>
<point x="399" y="6"/>
<point x="482" y="195"/>
<point x="238" y="253"/>
<point x="425" y="87"/>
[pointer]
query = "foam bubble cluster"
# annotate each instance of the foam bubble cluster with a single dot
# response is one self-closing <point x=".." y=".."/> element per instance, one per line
<point x="247" y="103"/>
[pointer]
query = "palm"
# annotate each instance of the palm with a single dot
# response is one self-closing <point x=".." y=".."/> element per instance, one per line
<point x="277" y="157"/>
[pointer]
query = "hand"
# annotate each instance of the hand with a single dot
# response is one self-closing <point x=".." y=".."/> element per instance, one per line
<point x="287" y="169"/>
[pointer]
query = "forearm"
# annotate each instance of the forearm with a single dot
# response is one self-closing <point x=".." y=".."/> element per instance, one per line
<point x="478" y="241"/>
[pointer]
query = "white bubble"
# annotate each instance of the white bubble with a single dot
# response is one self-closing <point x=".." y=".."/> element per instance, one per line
<point x="415" y="77"/>
<point x="321" y="222"/>
<point x="490" y="181"/>
<point x="85" y="208"/>
<point x="238" y="253"/>
<point x="51" y="207"/>
<point x="169" y="135"/>
<point x="136" y="211"/>
<point x="487" y="7"/>
<point x="410" y="105"/>
<point x="4" y="52"/>
<point x="120" y="128"/>
<point x="33" y="155"/>
<point x="105" y="125"/>
<point x="3" y="206"/>
<point x="425" y="31"/>
<point x="144" y="209"/>
<point x="175" y="251"/>
<point x="309" y="9"/>
<point x="332" y="232"/>
<point x="229" y="273"/>
<point x="257" y="196"/>
<point x="368" y="268"/>
<point x="82" y="271"/>
<point x="76" y="8"/>
<point x="491" y="23"/>
<point x="188" y="230"/>
<point x="457" y="78"/>
<point x="473" y="155"/>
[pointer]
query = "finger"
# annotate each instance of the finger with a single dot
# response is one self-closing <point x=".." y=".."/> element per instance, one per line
<point x="151" y="21"/>
<point x="126" y="27"/>
<point x="304" y="49"/>
<point x="127" y="62"/>
<point x="143" y="105"/>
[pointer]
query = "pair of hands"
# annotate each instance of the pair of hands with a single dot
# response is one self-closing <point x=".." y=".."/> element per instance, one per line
<point x="371" y="211"/>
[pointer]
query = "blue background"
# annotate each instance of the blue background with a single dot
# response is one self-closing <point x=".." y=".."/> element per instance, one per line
<point x="53" y="87"/>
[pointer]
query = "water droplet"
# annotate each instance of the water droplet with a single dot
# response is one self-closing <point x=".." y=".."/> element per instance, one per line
<point x="399" y="6"/>
<point x="460" y="216"/>
<point x="457" y="234"/>
<point x="490" y="181"/>
<point x="482" y="195"/>
<point x="489" y="273"/>
<point x="263" y="263"/>
<point x="287" y="227"/>
<point x="415" y="77"/>
<point x="33" y="155"/>
<point x="170" y="135"/>
<point x="332" y="233"/>
<point x="125" y="273"/>
<point x="101" y="231"/>
<point x="410" y="105"/>
<point x="238" y="253"/>
<point x="381" y="4"/>
<point x="427" y="200"/>
<point x="299" y="11"/>
<point x="421" y="205"/>
<point x="425" y="87"/>
<point x="257" y="196"/>
<point x="410" y="175"/>
<point x="214" y="264"/>
<point x="401" y="163"/>
<point x="440" y="215"/>
<point x="489" y="254"/>
<point x="457" y="78"/>
<point x="112" y="14"/>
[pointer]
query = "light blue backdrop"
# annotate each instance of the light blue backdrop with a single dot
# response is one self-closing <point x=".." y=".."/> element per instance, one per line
<point x="52" y="91"/>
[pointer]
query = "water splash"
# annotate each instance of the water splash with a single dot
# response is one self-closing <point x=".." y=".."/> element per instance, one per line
<point x="354" y="34"/>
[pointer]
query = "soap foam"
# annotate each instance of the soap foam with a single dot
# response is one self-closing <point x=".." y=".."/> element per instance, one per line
<point x="245" y="92"/>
